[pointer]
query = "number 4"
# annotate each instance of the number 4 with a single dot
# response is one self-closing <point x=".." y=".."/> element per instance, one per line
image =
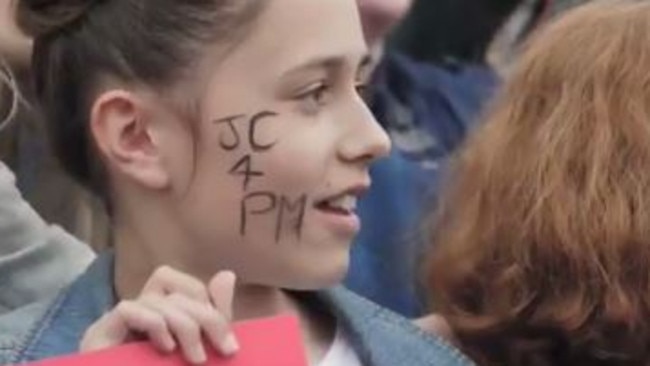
<point x="244" y="168"/>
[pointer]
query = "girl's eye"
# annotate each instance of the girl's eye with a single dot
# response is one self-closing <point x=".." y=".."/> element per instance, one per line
<point x="314" y="98"/>
<point x="317" y="94"/>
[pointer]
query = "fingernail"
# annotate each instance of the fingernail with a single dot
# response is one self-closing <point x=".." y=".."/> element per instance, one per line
<point x="230" y="346"/>
<point x="199" y="356"/>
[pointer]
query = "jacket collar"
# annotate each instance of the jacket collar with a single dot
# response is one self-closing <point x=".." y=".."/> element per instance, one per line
<point x="384" y="338"/>
<point x="381" y="337"/>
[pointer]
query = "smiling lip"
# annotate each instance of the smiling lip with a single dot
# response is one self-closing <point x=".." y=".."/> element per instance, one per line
<point x="346" y="224"/>
<point x="342" y="221"/>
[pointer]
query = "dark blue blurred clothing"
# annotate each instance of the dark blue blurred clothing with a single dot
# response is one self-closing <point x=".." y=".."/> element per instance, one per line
<point x="427" y="110"/>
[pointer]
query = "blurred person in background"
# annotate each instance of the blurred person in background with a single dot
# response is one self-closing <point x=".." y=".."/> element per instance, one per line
<point x="427" y="105"/>
<point x="25" y="150"/>
<point x="540" y="252"/>
<point x="36" y="259"/>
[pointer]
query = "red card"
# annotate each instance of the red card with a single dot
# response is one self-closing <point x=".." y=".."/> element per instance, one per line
<point x="267" y="342"/>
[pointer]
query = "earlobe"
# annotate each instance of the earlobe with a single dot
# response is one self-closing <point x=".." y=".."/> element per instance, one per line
<point x="122" y="130"/>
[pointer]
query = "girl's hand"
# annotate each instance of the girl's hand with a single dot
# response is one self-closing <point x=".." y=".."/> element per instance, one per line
<point x="173" y="310"/>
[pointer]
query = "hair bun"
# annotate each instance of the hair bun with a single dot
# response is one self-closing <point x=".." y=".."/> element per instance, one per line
<point x="38" y="18"/>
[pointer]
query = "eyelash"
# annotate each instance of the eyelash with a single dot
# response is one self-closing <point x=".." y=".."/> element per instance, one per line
<point x="314" y="98"/>
<point x="316" y="92"/>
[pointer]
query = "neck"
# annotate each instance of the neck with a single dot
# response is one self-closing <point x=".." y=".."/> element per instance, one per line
<point x="138" y="252"/>
<point x="142" y="247"/>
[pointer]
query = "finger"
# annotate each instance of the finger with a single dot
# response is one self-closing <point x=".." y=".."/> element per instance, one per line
<point x="212" y="323"/>
<point x="166" y="280"/>
<point x="185" y="329"/>
<point x="114" y="328"/>
<point x="222" y="291"/>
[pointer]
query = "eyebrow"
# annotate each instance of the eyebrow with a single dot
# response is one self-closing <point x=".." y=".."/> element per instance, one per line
<point x="330" y="63"/>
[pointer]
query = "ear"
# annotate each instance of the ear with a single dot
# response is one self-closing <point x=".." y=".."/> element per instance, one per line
<point x="124" y="133"/>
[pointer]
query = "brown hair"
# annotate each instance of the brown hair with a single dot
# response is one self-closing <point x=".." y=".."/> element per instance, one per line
<point x="542" y="240"/>
<point x="153" y="43"/>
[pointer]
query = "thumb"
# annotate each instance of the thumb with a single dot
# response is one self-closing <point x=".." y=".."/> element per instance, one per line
<point x="222" y="292"/>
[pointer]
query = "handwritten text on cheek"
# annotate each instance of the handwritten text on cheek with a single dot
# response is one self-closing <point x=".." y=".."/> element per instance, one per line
<point x="288" y="212"/>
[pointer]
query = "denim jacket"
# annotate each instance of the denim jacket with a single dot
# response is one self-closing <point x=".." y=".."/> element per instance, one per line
<point x="380" y="337"/>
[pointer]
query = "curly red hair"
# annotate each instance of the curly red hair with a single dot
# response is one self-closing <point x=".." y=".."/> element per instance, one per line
<point x="542" y="240"/>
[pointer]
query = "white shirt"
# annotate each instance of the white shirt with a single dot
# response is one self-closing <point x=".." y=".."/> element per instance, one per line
<point x="341" y="353"/>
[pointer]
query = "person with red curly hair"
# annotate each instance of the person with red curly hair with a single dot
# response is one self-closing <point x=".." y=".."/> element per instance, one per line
<point x="542" y="242"/>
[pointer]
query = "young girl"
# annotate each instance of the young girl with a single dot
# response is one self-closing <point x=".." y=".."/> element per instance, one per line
<point x="542" y="253"/>
<point x="222" y="135"/>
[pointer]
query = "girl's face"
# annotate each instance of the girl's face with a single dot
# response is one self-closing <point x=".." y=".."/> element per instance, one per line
<point x="267" y="182"/>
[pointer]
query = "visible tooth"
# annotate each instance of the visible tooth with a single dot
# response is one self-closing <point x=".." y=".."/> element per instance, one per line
<point x="347" y="203"/>
<point x="337" y="202"/>
<point x="350" y="203"/>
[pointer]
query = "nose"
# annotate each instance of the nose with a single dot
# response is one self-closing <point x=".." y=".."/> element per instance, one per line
<point x="365" y="140"/>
